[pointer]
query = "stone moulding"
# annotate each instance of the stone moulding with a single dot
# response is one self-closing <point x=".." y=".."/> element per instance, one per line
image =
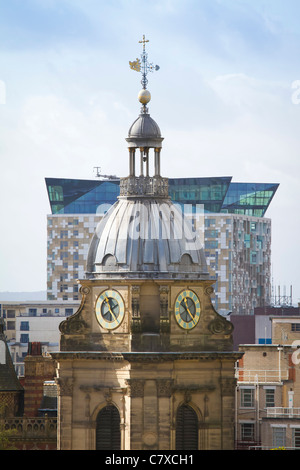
<point x="144" y="186"/>
<point x="220" y="326"/>
<point x="147" y="357"/>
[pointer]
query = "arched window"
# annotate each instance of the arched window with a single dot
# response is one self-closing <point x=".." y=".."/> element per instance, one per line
<point x="108" y="435"/>
<point x="186" y="428"/>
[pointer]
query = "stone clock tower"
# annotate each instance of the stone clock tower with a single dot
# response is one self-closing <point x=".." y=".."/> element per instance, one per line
<point x="146" y="362"/>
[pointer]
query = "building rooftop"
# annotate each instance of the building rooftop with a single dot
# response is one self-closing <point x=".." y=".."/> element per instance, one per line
<point x="216" y="194"/>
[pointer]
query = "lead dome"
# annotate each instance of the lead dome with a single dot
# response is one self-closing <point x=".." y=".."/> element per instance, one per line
<point x="145" y="238"/>
<point x="144" y="132"/>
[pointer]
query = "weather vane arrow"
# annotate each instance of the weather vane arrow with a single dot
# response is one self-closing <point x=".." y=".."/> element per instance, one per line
<point x="143" y="65"/>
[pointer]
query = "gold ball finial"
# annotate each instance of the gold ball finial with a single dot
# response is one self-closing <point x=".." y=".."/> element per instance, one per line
<point x="144" y="96"/>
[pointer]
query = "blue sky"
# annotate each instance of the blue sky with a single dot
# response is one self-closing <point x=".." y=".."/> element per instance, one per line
<point x="223" y="99"/>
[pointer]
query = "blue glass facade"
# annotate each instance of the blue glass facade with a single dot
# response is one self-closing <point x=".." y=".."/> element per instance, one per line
<point x="68" y="196"/>
<point x="210" y="192"/>
<point x="248" y="198"/>
<point x="216" y="194"/>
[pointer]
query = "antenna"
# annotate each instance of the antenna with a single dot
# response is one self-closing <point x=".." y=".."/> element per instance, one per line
<point x="280" y="300"/>
<point x="98" y="173"/>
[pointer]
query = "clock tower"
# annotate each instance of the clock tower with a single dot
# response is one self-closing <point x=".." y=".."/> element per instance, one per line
<point x="146" y="363"/>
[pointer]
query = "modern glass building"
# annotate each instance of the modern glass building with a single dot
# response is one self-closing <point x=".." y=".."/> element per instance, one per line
<point x="216" y="194"/>
<point x="235" y="234"/>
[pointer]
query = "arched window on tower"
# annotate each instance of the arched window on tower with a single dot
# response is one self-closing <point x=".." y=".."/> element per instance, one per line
<point x="108" y="434"/>
<point x="186" y="428"/>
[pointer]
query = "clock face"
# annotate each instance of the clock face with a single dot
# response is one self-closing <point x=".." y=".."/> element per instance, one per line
<point x="187" y="309"/>
<point x="110" y="309"/>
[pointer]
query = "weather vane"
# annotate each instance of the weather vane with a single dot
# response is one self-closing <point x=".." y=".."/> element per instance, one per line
<point x="143" y="65"/>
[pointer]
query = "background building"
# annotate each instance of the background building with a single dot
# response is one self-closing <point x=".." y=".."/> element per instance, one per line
<point x="268" y="386"/>
<point x="236" y="235"/>
<point x="28" y="406"/>
<point x="34" y="321"/>
<point x="257" y="328"/>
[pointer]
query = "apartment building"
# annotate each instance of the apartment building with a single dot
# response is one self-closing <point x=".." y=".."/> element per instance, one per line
<point x="34" y="321"/>
<point x="268" y="390"/>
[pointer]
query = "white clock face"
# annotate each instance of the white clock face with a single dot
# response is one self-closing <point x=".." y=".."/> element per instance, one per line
<point x="110" y="309"/>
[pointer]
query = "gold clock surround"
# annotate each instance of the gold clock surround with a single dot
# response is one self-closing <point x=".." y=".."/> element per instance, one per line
<point x="110" y="309"/>
<point x="187" y="309"/>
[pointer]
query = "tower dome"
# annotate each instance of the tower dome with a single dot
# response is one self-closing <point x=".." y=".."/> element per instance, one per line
<point x="145" y="238"/>
<point x="144" y="132"/>
<point x="144" y="127"/>
<point x="145" y="235"/>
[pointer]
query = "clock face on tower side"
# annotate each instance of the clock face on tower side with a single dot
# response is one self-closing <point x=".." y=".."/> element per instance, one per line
<point x="187" y="309"/>
<point x="110" y="309"/>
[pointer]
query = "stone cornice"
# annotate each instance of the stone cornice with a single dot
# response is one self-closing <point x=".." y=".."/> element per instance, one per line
<point x="147" y="357"/>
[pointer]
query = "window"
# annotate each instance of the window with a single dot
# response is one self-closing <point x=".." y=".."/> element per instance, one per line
<point x="295" y="326"/>
<point x="11" y="313"/>
<point x="32" y="311"/>
<point x="253" y="257"/>
<point x="264" y="340"/>
<point x="270" y="397"/>
<point x="55" y="193"/>
<point x="68" y="311"/>
<point x="247" y="397"/>
<point x="211" y="233"/>
<point x="296" y="437"/>
<point x="24" y="338"/>
<point x="211" y="244"/>
<point x="24" y="326"/>
<point x="108" y="435"/>
<point x="247" y="431"/>
<point x="56" y="310"/>
<point x="11" y="325"/>
<point x="186" y="428"/>
<point x="279" y="437"/>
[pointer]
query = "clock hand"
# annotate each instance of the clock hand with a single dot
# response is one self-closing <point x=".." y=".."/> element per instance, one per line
<point x="187" y="309"/>
<point x="110" y="310"/>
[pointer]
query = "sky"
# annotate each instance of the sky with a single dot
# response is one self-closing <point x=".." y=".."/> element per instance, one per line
<point x="226" y="98"/>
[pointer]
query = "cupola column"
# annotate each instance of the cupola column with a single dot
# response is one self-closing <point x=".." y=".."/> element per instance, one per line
<point x="131" y="161"/>
<point x="142" y="161"/>
<point x="146" y="158"/>
<point x="157" y="162"/>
